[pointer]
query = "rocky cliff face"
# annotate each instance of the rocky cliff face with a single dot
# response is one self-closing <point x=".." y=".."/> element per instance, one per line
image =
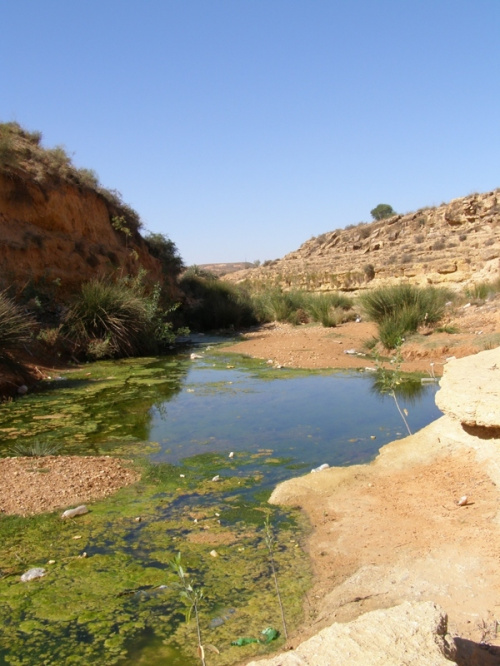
<point x="57" y="235"/>
<point x="58" y="226"/>
<point x="451" y="244"/>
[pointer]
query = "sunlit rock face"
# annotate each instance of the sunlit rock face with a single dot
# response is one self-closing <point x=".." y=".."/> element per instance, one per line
<point x="470" y="391"/>
<point x="406" y="634"/>
<point x="453" y="244"/>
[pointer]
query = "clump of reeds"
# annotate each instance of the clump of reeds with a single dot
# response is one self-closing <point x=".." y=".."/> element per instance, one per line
<point x="118" y="318"/>
<point x="402" y="309"/>
<point x="15" y="327"/>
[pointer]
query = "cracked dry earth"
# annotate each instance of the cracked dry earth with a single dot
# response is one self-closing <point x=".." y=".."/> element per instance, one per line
<point x="37" y="484"/>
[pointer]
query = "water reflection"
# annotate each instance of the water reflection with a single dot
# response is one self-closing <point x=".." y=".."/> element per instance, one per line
<point x="218" y="403"/>
<point x="308" y="418"/>
<point x="94" y="409"/>
<point x="409" y="389"/>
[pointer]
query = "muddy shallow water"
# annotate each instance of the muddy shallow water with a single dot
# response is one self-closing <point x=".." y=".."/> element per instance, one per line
<point x="109" y="593"/>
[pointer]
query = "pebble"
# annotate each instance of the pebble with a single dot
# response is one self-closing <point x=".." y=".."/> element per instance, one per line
<point x="320" y="468"/>
<point x="78" y="511"/>
<point x="31" y="574"/>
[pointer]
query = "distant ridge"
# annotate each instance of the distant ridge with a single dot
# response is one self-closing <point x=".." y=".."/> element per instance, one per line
<point x="454" y="243"/>
<point x="224" y="269"/>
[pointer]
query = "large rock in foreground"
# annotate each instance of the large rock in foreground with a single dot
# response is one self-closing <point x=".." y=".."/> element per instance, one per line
<point x="470" y="390"/>
<point x="406" y="634"/>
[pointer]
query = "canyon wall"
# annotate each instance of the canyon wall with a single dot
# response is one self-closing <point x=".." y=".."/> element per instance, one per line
<point x="54" y="235"/>
<point x="453" y="244"/>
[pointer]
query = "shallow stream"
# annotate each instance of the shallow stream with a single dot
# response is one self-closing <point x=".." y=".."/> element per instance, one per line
<point x="213" y="435"/>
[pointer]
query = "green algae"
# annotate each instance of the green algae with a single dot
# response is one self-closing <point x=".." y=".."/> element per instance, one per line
<point x="93" y="407"/>
<point x="109" y="595"/>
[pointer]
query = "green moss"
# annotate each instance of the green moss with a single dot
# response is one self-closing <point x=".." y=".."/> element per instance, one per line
<point x="114" y="604"/>
<point x="101" y="404"/>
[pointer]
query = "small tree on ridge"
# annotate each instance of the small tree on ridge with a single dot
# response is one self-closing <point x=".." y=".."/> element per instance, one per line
<point x="382" y="211"/>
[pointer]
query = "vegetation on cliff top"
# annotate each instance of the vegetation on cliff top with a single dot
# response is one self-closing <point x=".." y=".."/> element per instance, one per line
<point x="23" y="156"/>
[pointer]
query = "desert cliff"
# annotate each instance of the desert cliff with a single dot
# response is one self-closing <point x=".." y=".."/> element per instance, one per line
<point x="59" y="235"/>
<point x="452" y="244"/>
<point x="58" y="226"/>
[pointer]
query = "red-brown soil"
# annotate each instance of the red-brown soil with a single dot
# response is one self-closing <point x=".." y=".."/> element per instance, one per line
<point x="309" y="346"/>
<point x="37" y="484"/>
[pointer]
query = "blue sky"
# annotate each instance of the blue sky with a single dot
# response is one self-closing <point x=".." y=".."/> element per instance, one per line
<point x="241" y="128"/>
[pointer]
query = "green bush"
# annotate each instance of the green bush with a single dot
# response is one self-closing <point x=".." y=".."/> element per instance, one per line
<point x="118" y="319"/>
<point x="88" y="177"/>
<point x="277" y="305"/>
<point x="212" y="304"/>
<point x="483" y="290"/>
<point x="382" y="211"/>
<point x="300" y="306"/>
<point x="165" y="250"/>
<point x="15" y="327"/>
<point x="401" y="309"/>
<point x="329" y="309"/>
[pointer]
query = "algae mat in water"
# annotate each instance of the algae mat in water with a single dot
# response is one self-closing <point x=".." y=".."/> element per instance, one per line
<point x="109" y="595"/>
<point x="94" y="409"/>
<point x="120" y="604"/>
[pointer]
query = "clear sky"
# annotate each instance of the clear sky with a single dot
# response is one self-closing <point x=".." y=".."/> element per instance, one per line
<point x="241" y="128"/>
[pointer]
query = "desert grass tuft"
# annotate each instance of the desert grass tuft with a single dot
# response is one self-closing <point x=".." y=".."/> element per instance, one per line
<point x="15" y="326"/>
<point x="402" y="309"/>
<point x="36" y="449"/>
<point x="121" y="318"/>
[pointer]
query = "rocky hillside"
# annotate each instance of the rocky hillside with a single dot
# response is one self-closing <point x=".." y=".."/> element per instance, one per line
<point x="58" y="226"/>
<point x="454" y="244"/>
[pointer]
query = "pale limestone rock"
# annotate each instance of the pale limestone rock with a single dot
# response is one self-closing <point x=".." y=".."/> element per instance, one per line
<point x="412" y="633"/>
<point x="453" y="241"/>
<point x="470" y="389"/>
<point x="447" y="268"/>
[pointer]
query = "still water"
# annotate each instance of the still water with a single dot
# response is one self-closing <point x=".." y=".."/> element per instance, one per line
<point x="307" y="418"/>
<point x="180" y="419"/>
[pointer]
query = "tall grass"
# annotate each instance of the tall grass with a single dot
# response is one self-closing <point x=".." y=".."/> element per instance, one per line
<point x="117" y="319"/>
<point x="15" y="327"/>
<point x="299" y="306"/>
<point x="329" y="309"/>
<point x="212" y="304"/>
<point x="483" y="290"/>
<point x="275" y="305"/>
<point x="402" y="309"/>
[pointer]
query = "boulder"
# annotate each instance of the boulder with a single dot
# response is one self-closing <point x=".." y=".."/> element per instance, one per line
<point x="411" y="633"/>
<point x="470" y="390"/>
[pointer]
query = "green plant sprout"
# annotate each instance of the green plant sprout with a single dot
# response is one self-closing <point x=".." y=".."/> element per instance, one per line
<point x="388" y="380"/>
<point x="270" y="543"/>
<point x="119" y="223"/>
<point x="192" y="596"/>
